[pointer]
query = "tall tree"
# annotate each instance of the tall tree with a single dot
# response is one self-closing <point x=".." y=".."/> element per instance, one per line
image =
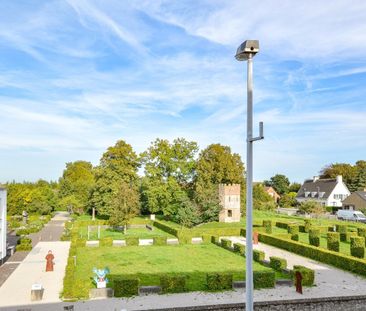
<point x="347" y="171"/>
<point x="216" y="165"/>
<point x="118" y="164"/>
<point x="279" y="182"/>
<point x="261" y="199"/>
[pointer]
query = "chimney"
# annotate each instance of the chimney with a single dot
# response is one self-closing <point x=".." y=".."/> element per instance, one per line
<point x="339" y="179"/>
<point x="315" y="178"/>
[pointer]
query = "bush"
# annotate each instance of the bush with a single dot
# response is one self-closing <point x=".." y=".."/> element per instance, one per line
<point x="80" y="242"/>
<point x="342" y="229"/>
<point x="277" y="263"/>
<point x="358" y="247"/>
<point x="173" y="284"/>
<point x="165" y="228"/>
<point x="308" y="275"/>
<point x="225" y="243"/>
<point x="264" y="279"/>
<point x="361" y="232"/>
<point x="295" y="237"/>
<point x="349" y="235"/>
<point x="219" y="281"/>
<point x="314" y="237"/>
<point x="160" y="240"/>
<point x="333" y="241"/>
<point x="307" y="225"/>
<point x="107" y="241"/>
<point x="282" y="225"/>
<point x="293" y="229"/>
<point x="258" y="255"/>
<point x="243" y="232"/>
<point x="124" y="287"/>
<point x="215" y="239"/>
<point x="22" y="231"/>
<point x="267" y="224"/>
<point x="339" y="260"/>
<point x="206" y="238"/>
<point x="239" y="248"/>
<point x="132" y="241"/>
<point x="185" y="237"/>
<point x="24" y="244"/>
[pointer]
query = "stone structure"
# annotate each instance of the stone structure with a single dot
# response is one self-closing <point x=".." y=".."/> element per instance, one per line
<point x="229" y="196"/>
<point x="272" y="193"/>
<point x="2" y="223"/>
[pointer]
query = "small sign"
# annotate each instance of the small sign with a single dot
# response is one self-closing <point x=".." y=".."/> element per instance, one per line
<point x="36" y="286"/>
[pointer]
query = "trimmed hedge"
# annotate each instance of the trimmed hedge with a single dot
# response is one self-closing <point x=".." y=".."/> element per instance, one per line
<point x="358" y="246"/>
<point x="267" y="224"/>
<point x="308" y="275"/>
<point x="124" y="286"/>
<point x="107" y="241"/>
<point x="165" y="228"/>
<point x="333" y="241"/>
<point x="361" y="232"/>
<point x="277" y="263"/>
<point x="314" y="237"/>
<point x="307" y="225"/>
<point x="339" y="260"/>
<point x="258" y="255"/>
<point x="239" y="248"/>
<point x="282" y="225"/>
<point x="219" y="281"/>
<point x="349" y="235"/>
<point x="225" y="243"/>
<point x="160" y="240"/>
<point x="215" y="239"/>
<point x="206" y="238"/>
<point x="24" y="244"/>
<point x="293" y="229"/>
<point x="173" y="284"/>
<point x="295" y="237"/>
<point x="132" y="241"/>
<point x="264" y="279"/>
<point x="342" y="229"/>
<point x="80" y="242"/>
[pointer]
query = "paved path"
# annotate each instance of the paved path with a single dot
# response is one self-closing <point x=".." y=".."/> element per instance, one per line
<point x="17" y="288"/>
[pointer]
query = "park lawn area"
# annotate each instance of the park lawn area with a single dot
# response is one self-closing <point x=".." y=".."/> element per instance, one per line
<point x="141" y="233"/>
<point x="149" y="262"/>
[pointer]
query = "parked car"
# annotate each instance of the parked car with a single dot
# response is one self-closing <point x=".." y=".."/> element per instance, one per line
<point x="351" y="215"/>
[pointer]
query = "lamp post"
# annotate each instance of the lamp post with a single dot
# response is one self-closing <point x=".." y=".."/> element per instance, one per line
<point x="246" y="52"/>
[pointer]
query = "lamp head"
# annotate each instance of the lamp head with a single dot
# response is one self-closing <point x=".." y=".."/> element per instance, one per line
<point x="246" y="48"/>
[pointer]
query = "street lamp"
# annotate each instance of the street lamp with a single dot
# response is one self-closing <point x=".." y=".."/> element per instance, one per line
<point x="245" y="52"/>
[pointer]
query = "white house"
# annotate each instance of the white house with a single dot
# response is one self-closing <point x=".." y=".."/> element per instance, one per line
<point x="2" y="223"/>
<point x="327" y="192"/>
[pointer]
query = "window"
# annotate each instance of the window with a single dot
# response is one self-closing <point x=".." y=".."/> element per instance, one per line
<point x="229" y="198"/>
<point x="229" y="213"/>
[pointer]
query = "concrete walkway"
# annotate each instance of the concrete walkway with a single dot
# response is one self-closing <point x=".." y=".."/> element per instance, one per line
<point x="17" y="288"/>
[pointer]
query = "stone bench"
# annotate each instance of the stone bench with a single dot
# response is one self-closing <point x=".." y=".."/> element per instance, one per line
<point x="92" y="243"/>
<point x="197" y="240"/>
<point x="101" y="293"/>
<point x="148" y="290"/>
<point x="172" y="241"/>
<point x="119" y="243"/>
<point x="145" y="242"/>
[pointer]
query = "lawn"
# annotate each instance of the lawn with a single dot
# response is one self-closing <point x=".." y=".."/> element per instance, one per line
<point x="149" y="261"/>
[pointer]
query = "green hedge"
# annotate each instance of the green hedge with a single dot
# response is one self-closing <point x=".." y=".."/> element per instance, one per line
<point x="258" y="255"/>
<point x="225" y="243"/>
<point x="358" y="246"/>
<point x="333" y="241"/>
<point x="206" y="238"/>
<point x="173" y="284"/>
<point x="314" y="236"/>
<point x="165" y="228"/>
<point x="264" y="279"/>
<point x="24" y="244"/>
<point x="293" y="229"/>
<point x="277" y="263"/>
<point x="342" y="229"/>
<point x="361" y="232"/>
<point x="215" y="239"/>
<point x="349" y="235"/>
<point x="239" y="248"/>
<point x="80" y="242"/>
<point x="160" y="240"/>
<point x="124" y="286"/>
<point x="307" y="225"/>
<point x="339" y="260"/>
<point x="308" y="275"/>
<point x="282" y="225"/>
<point x="267" y="224"/>
<point x="219" y="281"/>
<point x="295" y="237"/>
<point x="107" y="241"/>
<point x="132" y="241"/>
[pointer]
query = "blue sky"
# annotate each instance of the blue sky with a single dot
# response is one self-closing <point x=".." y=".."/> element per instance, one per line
<point x="77" y="75"/>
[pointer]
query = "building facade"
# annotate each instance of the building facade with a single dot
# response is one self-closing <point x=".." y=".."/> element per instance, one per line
<point x="2" y="223"/>
<point x="327" y="192"/>
<point x="356" y="201"/>
<point x="276" y="197"/>
<point x="229" y="196"/>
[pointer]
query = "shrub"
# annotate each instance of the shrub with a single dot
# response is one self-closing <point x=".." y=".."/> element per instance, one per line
<point x="333" y="241"/>
<point x="132" y="241"/>
<point x="215" y="239"/>
<point x="239" y="248"/>
<point x="314" y="237"/>
<point x="264" y="279"/>
<point x="107" y="241"/>
<point x="219" y="281"/>
<point x="307" y="225"/>
<point x="349" y="235"/>
<point x="307" y="274"/>
<point x="258" y="255"/>
<point x="225" y="243"/>
<point x="342" y="229"/>
<point x="295" y="237"/>
<point x="267" y="224"/>
<point x="80" y="242"/>
<point x="24" y="244"/>
<point x="124" y="287"/>
<point x="277" y="263"/>
<point x="358" y="246"/>
<point x="206" y="238"/>
<point x="165" y="228"/>
<point x="185" y="237"/>
<point x="243" y="232"/>
<point x="22" y="231"/>
<point x="361" y="232"/>
<point x="160" y="240"/>
<point x="173" y="284"/>
<point x="293" y="229"/>
<point x="282" y="225"/>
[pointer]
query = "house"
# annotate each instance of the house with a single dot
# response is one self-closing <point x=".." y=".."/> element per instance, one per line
<point x="229" y="196"/>
<point x="2" y="223"/>
<point x="356" y="201"/>
<point x="327" y="192"/>
<point x="272" y="193"/>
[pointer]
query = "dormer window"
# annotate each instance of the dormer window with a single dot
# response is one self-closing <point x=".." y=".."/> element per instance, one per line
<point x="313" y="194"/>
<point x="321" y="194"/>
<point x="306" y="193"/>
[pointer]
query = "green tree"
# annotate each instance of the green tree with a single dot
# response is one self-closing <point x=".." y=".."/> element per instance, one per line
<point x="347" y="171"/>
<point x="288" y="200"/>
<point x="71" y="204"/>
<point x="118" y="164"/>
<point x="187" y="213"/>
<point x="125" y="205"/>
<point x="279" y="182"/>
<point x="77" y="183"/>
<point x="311" y="207"/>
<point x="294" y="187"/>
<point x="261" y="199"/>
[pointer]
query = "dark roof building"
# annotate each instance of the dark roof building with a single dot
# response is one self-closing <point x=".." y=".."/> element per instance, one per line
<point x="356" y="201"/>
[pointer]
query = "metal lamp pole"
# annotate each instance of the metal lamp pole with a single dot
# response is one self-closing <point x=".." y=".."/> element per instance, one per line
<point x="246" y="51"/>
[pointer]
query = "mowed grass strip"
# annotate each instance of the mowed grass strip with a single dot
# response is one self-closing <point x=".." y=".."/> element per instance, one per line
<point x="148" y="262"/>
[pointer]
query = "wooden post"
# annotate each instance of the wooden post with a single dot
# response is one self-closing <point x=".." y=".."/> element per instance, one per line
<point x="93" y="214"/>
<point x="98" y="232"/>
<point x="88" y="232"/>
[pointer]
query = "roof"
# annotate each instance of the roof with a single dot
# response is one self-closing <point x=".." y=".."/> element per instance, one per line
<point x="362" y="194"/>
<point x="322" y="188"/>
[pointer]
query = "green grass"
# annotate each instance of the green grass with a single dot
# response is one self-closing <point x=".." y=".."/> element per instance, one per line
<point x="148" y="261"/>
